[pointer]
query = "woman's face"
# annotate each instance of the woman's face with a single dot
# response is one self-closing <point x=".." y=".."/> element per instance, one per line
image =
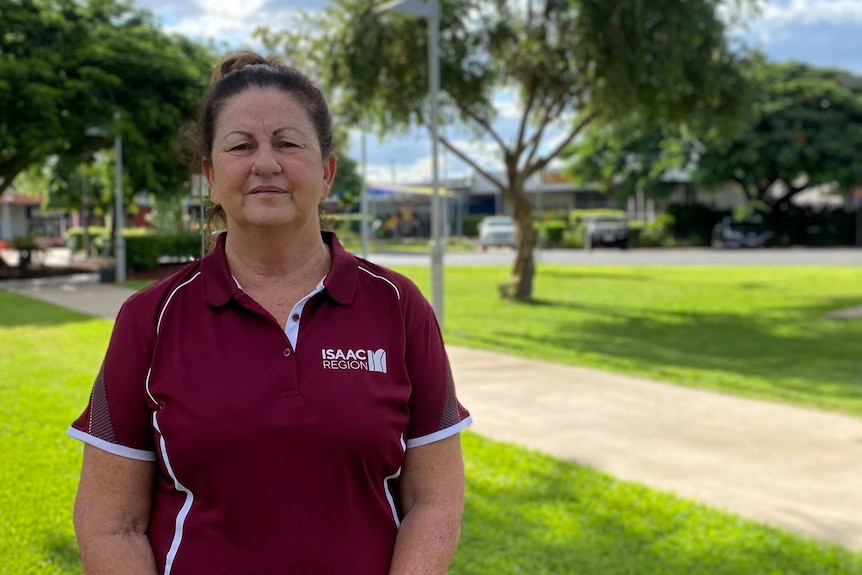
<point x="266" y="168"/>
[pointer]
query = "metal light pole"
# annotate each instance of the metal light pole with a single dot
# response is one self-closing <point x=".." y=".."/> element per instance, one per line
<point x="430" y="9"/>
<point x="363" y="202"/>
<point x="120" y="241"/>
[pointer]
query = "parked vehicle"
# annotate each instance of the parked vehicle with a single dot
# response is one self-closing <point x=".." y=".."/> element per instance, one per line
<point x="497" y="231"/>
<point x="741" y="234"/>
<point x="606" y="231"/>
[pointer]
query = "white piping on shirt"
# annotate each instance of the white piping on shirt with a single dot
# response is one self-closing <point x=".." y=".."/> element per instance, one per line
<point x="184" y="510"/>
<point x="372" y="274"/>
<point x="386" y="481"/>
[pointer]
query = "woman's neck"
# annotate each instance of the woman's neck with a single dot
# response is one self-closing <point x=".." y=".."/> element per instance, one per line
<point x="268" y="255"/>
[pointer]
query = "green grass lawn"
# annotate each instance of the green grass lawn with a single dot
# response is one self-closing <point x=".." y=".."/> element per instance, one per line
<point x="526" y="513"/>
<point x="757" y="332"/>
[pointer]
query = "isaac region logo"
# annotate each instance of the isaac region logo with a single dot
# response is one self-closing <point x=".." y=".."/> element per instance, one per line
<point x="354" y="359"/>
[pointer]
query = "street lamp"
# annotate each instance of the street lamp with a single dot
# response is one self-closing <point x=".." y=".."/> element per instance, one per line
<point x="119" y="240"/>
<point x="430" y="10"/>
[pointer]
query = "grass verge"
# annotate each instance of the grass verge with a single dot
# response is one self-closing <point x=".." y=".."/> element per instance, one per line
<point x="525" y="512"/>
<point x="756" y="332"/>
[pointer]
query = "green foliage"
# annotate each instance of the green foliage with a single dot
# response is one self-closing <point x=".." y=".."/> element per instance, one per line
<point x="693" y="223"/>
<point x="144" y="251"/>
<point x="580" y="216"/>
<point x="804" y="131"/>
<point x="347" y="186"/>
<point x="552" y="232"/>
<point x="471" y="225"/>
<point x="68" y="66"/>
<point x="663" y="60"/>
<point x="651" y="234"/>
<point x="100" y="238"/>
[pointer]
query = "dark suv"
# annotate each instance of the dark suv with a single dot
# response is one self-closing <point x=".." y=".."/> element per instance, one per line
<point x="606" y="231"/>
<point x="741" y="234"/>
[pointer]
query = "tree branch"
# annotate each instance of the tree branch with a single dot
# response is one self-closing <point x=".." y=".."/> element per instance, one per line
<point x="744" y="187"/>
<point x="519" y="143"/>
<point x="467" y="160"/>
<point x="540" y="164"/>
<point x="484" y="124"/>
<point x="554" y="107"/>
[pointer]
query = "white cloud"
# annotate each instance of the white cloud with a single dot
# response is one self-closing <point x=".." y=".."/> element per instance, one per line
<point x="231" y="22"/>
<point x="779" y="20"/>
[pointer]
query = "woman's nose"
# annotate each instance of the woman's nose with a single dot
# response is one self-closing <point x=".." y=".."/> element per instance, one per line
<point x="266" y="162"/>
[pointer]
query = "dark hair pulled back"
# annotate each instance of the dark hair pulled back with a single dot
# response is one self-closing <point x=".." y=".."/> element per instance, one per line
<point x="242" y="71"/>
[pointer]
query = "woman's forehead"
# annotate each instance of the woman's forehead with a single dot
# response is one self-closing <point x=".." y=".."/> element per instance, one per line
<point x="268" y="108"/>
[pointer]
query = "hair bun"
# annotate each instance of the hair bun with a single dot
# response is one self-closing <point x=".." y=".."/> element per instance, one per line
<point x="237" y="60"/>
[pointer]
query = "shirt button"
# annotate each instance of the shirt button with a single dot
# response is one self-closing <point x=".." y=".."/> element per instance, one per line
<point x="296" y="317"/>
<point x="287" y="352"/>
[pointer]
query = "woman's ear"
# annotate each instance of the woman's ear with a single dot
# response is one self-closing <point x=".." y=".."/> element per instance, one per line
<point x="207" y="168"/>
<point x="330" y="165"/>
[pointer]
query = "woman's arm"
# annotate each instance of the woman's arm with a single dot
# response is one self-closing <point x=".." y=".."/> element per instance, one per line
<point x="112" y="511"/>
<point x="432" y="499"/>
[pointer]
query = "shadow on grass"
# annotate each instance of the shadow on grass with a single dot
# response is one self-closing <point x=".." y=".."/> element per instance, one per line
<point x="820" y="366"/>
<point x="17" y="310"/>
<point x="62" y="551"/>
<point x="528" y="513"/>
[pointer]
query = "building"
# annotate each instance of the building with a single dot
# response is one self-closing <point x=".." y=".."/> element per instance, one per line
<point x="22" y="216"/>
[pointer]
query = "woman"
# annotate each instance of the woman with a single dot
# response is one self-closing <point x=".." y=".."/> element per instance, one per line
<point x="280" y="406"/>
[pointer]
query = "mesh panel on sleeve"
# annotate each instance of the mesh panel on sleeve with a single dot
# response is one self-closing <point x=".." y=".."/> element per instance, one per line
<point x="100" y="413"/>
<point x="451" y="409"/>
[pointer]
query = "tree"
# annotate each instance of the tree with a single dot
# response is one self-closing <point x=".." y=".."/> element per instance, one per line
<point x="805" y="130"/>
<point x="67" y="66"/>
<point x="572" y="63"/>
<point x="630" y="156"/>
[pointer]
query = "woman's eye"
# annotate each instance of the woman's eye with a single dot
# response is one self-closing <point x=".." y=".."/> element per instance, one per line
<point x="240" y="147"/>
<point x="286" y="144"/>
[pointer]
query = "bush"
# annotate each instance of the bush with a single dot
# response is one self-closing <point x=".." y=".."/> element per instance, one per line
<point x="651" y="234"/>
<point x="100" y="239"/>
<point x="146" y="250"/>
<point x="693" y="224"/>
<point x="552" y="233"/>
<point x="579" y="216"/>
<point x="471" y="224"/>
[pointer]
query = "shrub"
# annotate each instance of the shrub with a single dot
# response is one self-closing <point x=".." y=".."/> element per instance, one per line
<point x="693" y="224"/>
<point x="146" y="250"/>
<point x="471" y="225"/>
<point x="578" y="216"/>
<point x="100" y="239"/>
<point x="552" y="232"/>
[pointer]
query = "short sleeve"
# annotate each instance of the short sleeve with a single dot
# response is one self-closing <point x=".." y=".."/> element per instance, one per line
<point x="435" y="412"/>
<point x="118" y="417"/>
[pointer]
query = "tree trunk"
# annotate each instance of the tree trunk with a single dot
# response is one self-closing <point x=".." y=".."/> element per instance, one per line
<point x="520" y="286"/>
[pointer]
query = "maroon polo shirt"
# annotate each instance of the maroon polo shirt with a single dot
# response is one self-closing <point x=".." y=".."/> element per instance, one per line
<point x="279" y="448"/>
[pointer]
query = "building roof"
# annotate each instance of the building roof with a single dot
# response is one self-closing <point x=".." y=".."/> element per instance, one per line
<point x="20" y="200"/>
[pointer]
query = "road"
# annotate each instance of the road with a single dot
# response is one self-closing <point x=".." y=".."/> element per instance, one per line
<point x="644" y="257"/>
<point x="600" y="257"/>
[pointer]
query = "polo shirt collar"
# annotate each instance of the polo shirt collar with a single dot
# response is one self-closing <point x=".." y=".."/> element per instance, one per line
<point x="220" y="286"/>
<point x="340" y="282"/>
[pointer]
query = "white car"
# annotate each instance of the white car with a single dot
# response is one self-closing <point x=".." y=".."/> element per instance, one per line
<point x="497" y="231"/>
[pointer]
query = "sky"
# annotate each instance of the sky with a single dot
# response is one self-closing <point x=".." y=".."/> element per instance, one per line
<point x="817" y="32"/>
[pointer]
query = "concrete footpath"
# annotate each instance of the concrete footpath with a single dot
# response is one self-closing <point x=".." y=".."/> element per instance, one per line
<point x="794" y="468"/>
